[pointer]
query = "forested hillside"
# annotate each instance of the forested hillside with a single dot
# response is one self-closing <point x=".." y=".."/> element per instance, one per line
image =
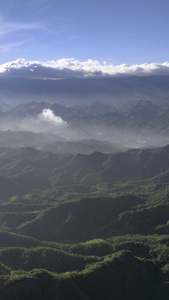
<point x="75" y="226"/>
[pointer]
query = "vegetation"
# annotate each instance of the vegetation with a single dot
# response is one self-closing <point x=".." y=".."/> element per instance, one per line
<point x="84" y="226"/>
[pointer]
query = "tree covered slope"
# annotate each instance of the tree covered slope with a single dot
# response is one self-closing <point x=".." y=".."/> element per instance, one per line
<point x="84" y="226"/>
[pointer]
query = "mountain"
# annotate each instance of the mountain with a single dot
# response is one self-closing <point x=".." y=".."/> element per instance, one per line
<point x="131" y="165"/>
<point x="27" y="168"/>
<point x="15" y="139"/>
<point x="78" y="90"/>
<point x="84" y="189"/>
<point x="84" y="226"/>
<point x="125" y="123"/>
<point x="82" y="146"/>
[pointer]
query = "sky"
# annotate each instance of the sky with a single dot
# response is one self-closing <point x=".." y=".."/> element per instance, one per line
<point x="107" y="31"/>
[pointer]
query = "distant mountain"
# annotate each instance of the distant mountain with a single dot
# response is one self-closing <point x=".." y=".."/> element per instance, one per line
<point x="15" y="139"/>
<point x="140" y="115"/>
<point x="78" y="90"/>
<point x="27" y="169"/>
<point x="53" y="143"/>
<point x="124" y="111"/>
<point x="98" y="168"/>
<point x="82" y="146"/>
<point x="35" y="108"/>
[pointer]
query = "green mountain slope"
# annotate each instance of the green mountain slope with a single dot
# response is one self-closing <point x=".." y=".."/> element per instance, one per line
<point x="84" y="226"/>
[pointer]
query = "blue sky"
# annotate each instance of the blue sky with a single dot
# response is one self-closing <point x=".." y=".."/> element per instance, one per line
<point x="114" y="31"/>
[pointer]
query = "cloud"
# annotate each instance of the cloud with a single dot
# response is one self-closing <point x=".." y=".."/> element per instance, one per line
<point x="71" y="68"/>
<point x="8" y="46"/>
<point x="10" y="27"/>
<point x="47" y="115"/>
<point x="46" y="121"/>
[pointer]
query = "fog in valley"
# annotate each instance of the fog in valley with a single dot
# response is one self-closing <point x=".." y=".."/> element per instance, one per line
<point x="47" y="127"/>
<point x="57" y="106"/>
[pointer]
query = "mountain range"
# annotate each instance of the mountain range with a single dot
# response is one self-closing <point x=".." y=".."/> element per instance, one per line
<point x="84" y="193"/>
<point x="26" y="169"/>
<point x="77" y="90"/>
<point x="69" y="221"/>
<point x="91" y="127"/>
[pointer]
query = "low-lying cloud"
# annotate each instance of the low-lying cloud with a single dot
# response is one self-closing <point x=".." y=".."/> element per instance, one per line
<point x="48" y="116"/>
<point x="71" y="68"/>
<point x="46" y="121"/>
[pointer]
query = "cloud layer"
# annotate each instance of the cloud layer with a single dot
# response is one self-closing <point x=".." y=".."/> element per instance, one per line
<point x="71" y="68"/>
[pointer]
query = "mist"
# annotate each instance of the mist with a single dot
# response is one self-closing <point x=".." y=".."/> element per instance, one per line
<point x="123" y="107"/>
<point x="49" y="129"/>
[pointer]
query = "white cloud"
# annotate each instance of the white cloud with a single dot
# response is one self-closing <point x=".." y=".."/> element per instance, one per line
<point x="69" y="67"/>
<point x="47" y="115"/>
